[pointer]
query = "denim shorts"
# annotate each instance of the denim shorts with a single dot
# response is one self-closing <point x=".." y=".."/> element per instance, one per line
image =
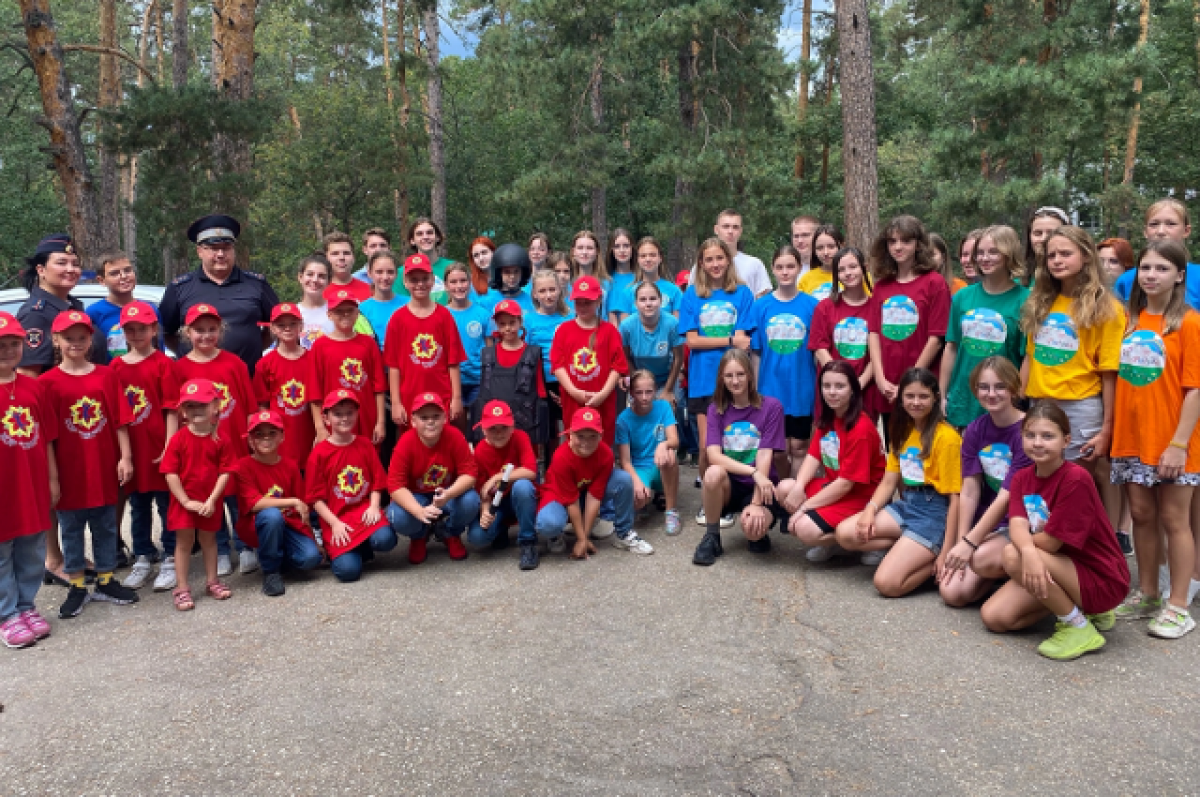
<point x="1087" y="418"/>
<point x="921" y="515"/>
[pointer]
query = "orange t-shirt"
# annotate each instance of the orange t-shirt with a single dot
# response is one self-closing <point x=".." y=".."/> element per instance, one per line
<point x="957" y="285"/>
<point x="1155" y="372"/>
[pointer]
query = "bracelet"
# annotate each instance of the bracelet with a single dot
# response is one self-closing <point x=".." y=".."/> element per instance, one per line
<point x="1180" y="446"/>
<point x="873" y="505"/>
<point x="968" y="542"/>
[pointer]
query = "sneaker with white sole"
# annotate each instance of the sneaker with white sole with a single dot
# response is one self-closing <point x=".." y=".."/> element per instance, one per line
<point x="1171" y="623"/>
<point x="224" y="565"/>
<point x="140" y="573"/>
<point x="166" y="575"/>
<point x="674" y="526"/>
<point x="823" y="553"/>
<point x="633" y="543"/>
<point x="557" y="544"/>
<point x="247" y="562"/>
<point x="14" y="633"/>
<point x="872" y="558"/>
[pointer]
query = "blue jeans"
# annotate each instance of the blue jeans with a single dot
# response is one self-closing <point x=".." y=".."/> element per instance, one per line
<point x="223" y="534"/>
<point x="279" y="545"/>
<point x="616" y="507"/>
<point x="141" y="523"/>
<point x="459" y="513"/>
<point x="686" y="423"/>
<point x="519" y="502"/>
<point x="469" y="394"/>
<point x="102" y="520"/>
<point x="348" y="566"/>
<point x="22" y="562"/>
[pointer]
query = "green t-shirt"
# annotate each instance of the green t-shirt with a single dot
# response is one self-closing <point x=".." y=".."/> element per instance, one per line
<point x="438" y="294"/>
<point x="981" y="325"/>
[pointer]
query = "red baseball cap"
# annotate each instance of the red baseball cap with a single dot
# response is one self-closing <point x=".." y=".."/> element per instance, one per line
<point x="425" y="399"/>
<point x="336" y="397"/>
<point x="585" y="418"/>
<point x="417" y="262"/>
<point x="199" y="311"/>
<point x="71" y="318"/>
<point x="269" y="417"/>
<point x="508" y="306"/>
<point x="198" y="391"/>
<point x="9" y="325"/>
<point x="586" y="288"/>
<point x="138" y="313"/>
<point x="286" y="308"/>
<point x="496" y="413"/>
<point x="336" y="296"/>
<point x="683" y="278"/>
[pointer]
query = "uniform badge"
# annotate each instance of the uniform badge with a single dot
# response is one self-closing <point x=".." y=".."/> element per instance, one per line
<point x="33" y="338"/>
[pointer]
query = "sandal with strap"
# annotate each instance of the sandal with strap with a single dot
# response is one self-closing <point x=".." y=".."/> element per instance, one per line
<point x="218" y="590"/>
<point x="183" y="600"/>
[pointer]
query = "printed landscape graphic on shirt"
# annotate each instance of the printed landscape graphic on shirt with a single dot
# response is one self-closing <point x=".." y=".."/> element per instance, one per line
<point x="139" y="405"/>
<point x="850" y="338"/>
<point x="912" y="470"/>
<point x="1056" y="341"/>
<point x="995" y="460"/>
<point x="18" y="428"/>
<point x="584" y="363"/>
<point x="227" y="401"/>
<point x="822" y="291"/>
<point x="899" y="318"/>
<point x="983" y="332"/>
<point x="425" y="350"/>
<point x="86" y="417"/>
<point x="717" y="319"/>
<point x="309" y="336"/>
<point x="351" y="484"/>
<point x="831" y="451"/>
<point x="352" y="373"/>
<point x="786" y="333"/>
<point x="1038" y="512"/>
<point x="1143" y="357"/>
<point x="435" y="476"/>
<point x="292" y="397"/>
<point x="740" y="441"/>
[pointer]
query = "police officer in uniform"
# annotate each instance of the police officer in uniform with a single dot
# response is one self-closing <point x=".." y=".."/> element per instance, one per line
<point x="243" y="298"/>
<point x="53" y="272"/>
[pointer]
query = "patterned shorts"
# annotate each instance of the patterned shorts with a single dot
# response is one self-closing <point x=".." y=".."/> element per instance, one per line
<point x="1131" y="470"/>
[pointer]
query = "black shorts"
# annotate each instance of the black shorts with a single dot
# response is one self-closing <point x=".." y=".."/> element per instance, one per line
<point x="797" y="427"/>
<point x="698" y="406"/>
<point x="741" y="495"/>
<point x="815" y="516"/>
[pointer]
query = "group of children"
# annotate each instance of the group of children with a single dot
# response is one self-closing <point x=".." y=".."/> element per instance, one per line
<point x="453" y="413"/>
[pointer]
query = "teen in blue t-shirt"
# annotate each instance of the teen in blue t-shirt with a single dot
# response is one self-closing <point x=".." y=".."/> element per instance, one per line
<point x="652" y="341"/>
<point x="472" y="320"/>
<point x="384" y="302"/>
<point x="647" y="447"/>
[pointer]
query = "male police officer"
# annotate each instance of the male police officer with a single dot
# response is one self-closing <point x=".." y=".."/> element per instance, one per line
<point x="243" y="298"/>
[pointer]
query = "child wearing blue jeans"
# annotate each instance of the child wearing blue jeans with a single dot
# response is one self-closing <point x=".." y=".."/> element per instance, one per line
<point x="507" y="467"/>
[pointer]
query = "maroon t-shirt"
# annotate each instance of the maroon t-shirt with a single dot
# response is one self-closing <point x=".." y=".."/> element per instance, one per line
<point x="906" y="315"/>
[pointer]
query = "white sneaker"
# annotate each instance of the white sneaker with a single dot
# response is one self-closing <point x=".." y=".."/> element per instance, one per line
<point x="1193" y="588"/>
<point x="823" y="553"/>
<point x="701" y="520"/>
<point x="140" y="574"/>
<point x="557" y="544"/>
<point x="602" y="529"/>
<point x="247" y="562"/>
<point x="872" y="558"/>
<point x="1171" y="623"/>
<point x="633" y="543"/>
<point x="166" y="575"/>
<point x="224" y="565"/>
<point x="727" y="521"/>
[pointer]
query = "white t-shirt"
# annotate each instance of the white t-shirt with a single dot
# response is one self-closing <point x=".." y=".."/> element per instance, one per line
<point x="316" y="323"/>
<point x="752" y="272"/>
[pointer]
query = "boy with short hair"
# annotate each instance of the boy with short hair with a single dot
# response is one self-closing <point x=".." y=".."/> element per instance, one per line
<point x="431" y="479"/>
<point x="507" y="466"/>
<point x="119" y="276"/>
<point x="339" y="251"/>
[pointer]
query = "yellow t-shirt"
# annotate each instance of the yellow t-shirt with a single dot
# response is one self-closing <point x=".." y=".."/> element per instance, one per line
<point x="1065" y="362"/>
<point x="941" y="470"/>
<point x="816" y="282"/>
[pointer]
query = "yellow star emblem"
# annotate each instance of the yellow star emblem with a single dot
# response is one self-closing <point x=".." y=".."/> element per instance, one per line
<point x="424" y="346"/>
<point x="86" y="413"/>
<point x="350" y="480"/>
<point x="291" y="393"/>
<point x="18" y="423"/>
<point x="136" y="398"/>
<point x="352" y="370"/>
<point x="585" y="361"/>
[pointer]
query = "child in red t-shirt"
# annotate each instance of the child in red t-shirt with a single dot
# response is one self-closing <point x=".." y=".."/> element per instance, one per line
<point x="581" y="486"/>
<point x="146" y="376"/>
<point x="421" y="348"/>
<point x="285" y="381"/>
<point x="344" y="483"/>
<point x="94" y="459"/>
<point x="431" y="479"/>
<point x="507" y="478"/>
<point x="27" y="470"/>
<point x="1064" y="558"/>
<point x="197" y="465"/>
<point x="349" y="360"/>
<point x="588" y="358"/>
<point x="272" y="516"/>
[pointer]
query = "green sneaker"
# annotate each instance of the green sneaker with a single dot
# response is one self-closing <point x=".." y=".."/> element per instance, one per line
<point x="1171" y="623"/>
<point x="1070" y="642"/>
<point x="1137" y="606"/>
<point x="1103" y="621"/>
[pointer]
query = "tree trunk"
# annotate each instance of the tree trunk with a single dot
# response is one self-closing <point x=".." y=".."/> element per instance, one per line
<point x="179" y="43"/>
<point x="859" y="154"/>
<point x="1196" y="33"/>
<point x="401" y="198"/>
<point x="1135" y="115"/>
<point x="437" y="151"/>
<point x="802" y="98"/>
<point x="233" y="75"/>
<point x="681" y="205"/>
<point x="599" y="191"/>
<point x="109" y="98"/>
<point x="62" y="123"/>
<point x="153" y="11"/>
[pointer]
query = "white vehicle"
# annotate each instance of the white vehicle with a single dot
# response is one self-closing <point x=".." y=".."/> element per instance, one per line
<point x="12" y="299"/>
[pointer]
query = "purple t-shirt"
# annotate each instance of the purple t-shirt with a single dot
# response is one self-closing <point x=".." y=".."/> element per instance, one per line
<point x="742" y="432"/>
<point x="995" y="453"/>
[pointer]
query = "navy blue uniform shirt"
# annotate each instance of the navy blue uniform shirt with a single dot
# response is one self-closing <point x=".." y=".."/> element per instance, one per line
<point x="244" y="300"/>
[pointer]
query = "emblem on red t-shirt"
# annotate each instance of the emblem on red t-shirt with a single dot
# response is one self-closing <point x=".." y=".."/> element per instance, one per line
<point x="20" y="429"/>
<point x="139" y="405"/>
<point x="425" y="350"/>
<point x="435" y="476"/>
<point x="86" y="418"/>
<point x="275" y="492"/>
<point x="584" y="363"/>
<point x="582" y="484"/>
<point x="227" y="400"/>
<point x="291" y="396"/>
<point x="351" y="484"/>
<point x="352" y="373"/>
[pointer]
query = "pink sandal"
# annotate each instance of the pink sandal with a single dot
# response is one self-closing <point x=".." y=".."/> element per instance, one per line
<point x="183" y="600"/>
<point x="218" y="590"/>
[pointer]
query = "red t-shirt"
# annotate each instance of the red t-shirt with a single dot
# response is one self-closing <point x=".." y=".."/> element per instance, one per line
<point x="423" y="349"/>
<point x="489" y="460"/>
<point x="355" y="365"/>
<point x="89" y="409"/>
<point x="27" y="425"/>
<point x="1067" y="507"/>
<point x="254" y="480"/>
<point x="290" y="387"/>
<point x="906" y="315"/>
<point x="855" y="454"/>
<point x="344" y="478"/>
<point x="360" y="290"/>
<point x="588" y="366"/>
<point x="144" y="385"/>
<point x="423" y="469"/>
<point x="198" y="461"/>
<point x="569" y="476"/>
<point x="508" y="358"/>
<point x="232" y="379"/>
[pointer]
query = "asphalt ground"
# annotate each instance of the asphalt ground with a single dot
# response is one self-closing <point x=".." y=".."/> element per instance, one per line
<point x="621" y="675"/>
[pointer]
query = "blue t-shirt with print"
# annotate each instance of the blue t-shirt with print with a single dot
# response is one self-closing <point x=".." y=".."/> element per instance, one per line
<point x="653" y="351"/>
<point x="539" y="331"/>
<point x="625" y="301"/>
<point x="1124" y="285"/>
<point x="718" y="316"/>
<point x="643" y="433"/>
<point x="472" y="323"/>
<point x="786" y="371"/>
<point x="106" y="317"/>
<point x="378" y="314"/>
